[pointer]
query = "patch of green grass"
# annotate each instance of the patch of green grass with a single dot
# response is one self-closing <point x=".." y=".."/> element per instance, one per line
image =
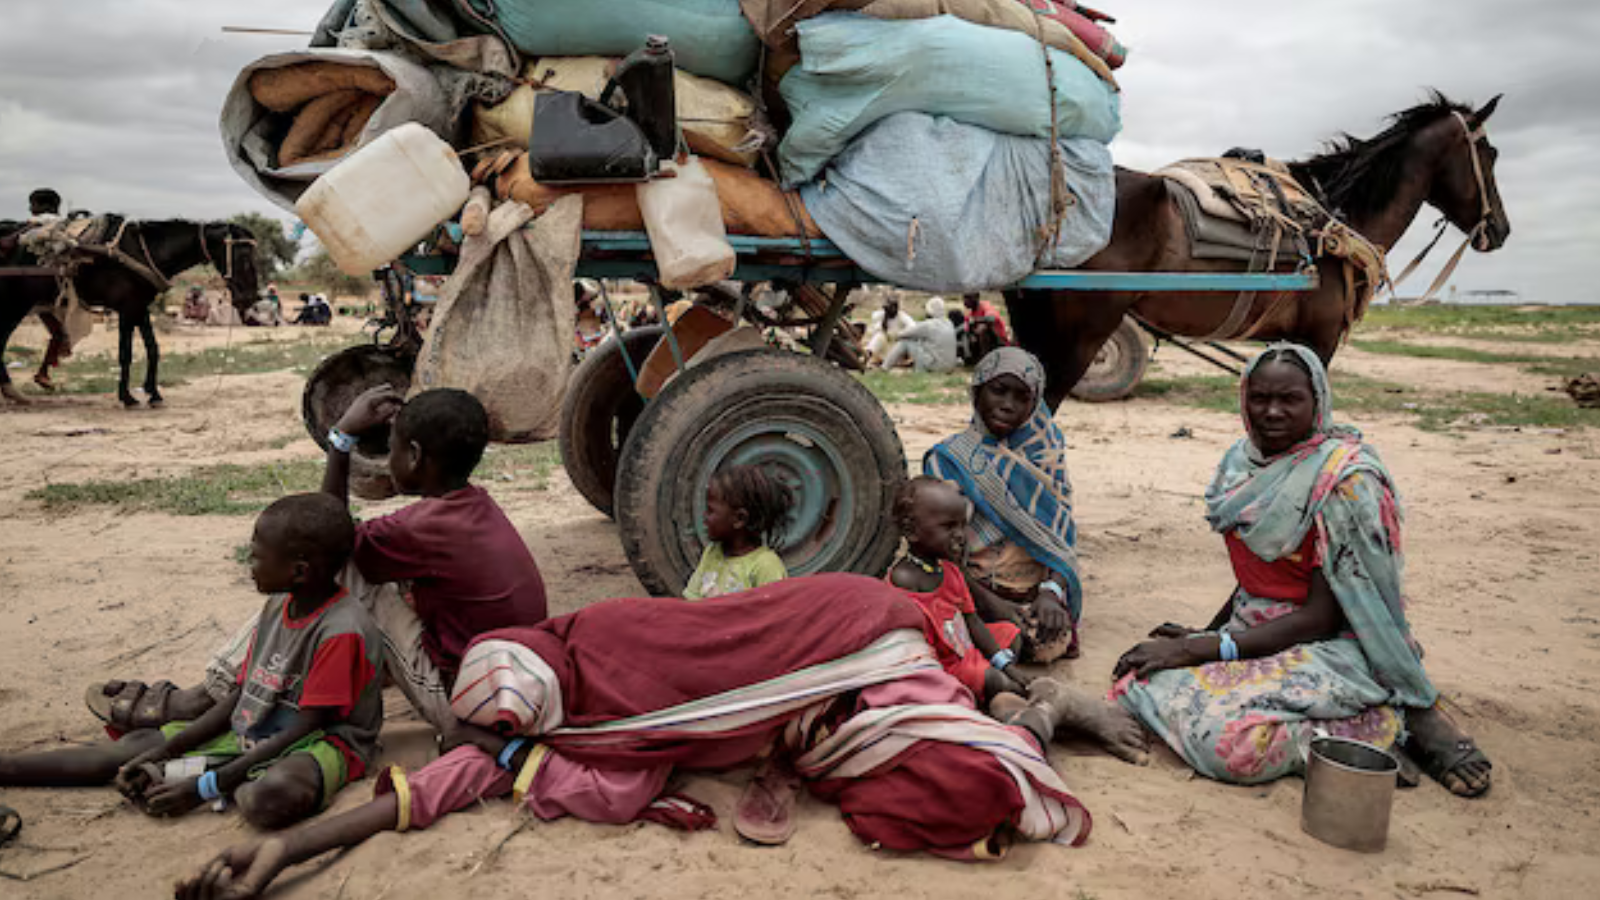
<point x="97" y="374"/>
<point x="916" y="387"/>
<point x="1564" y="366"/>
<point x="525" y="466"/>
<point x="226" y="490"/>
<point x="1355" y="396"/>
<point x="1445" y="317"/>
<point x="241" y="554"/>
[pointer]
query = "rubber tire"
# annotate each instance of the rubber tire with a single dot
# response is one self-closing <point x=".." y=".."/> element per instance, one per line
<point x="1117" y="368"/>
<point x="669" y="458"/>
<point x="599" y="410"/>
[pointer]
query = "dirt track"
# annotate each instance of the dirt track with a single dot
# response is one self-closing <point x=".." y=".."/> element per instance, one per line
<point x="1503" y="553"/>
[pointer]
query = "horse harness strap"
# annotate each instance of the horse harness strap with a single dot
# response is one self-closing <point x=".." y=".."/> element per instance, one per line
<point x="227" y="250"/>
<point x="146" y="270"/>
<point x="1485" y="213"/>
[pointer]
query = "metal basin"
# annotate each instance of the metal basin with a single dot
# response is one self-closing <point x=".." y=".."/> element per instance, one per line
<point x="1349" y="792"/>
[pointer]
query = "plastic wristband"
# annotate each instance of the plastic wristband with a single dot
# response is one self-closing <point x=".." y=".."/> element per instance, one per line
<point x="512" y="746"/>
<point x="1002" y="658"/>
<point x="1229" y="650"/>
<point x="340" y="441"/>
<point x="1053" y="588"/>
<point x="207" y="786"/>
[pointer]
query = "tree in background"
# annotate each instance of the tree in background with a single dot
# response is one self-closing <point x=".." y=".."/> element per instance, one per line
<point x="275" y="250"/>
<point x="320" y="270"/>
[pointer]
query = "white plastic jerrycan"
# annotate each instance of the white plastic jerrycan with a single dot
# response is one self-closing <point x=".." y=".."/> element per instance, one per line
<point x="684" y="220"/>
<point x="384" y="198"/>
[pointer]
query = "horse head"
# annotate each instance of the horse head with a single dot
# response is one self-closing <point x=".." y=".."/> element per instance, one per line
<point x="231" y="250"/>
<point x="1464" y="186"/>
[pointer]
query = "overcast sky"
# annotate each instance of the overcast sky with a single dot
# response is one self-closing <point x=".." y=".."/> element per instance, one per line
<point x="114" y="102"/>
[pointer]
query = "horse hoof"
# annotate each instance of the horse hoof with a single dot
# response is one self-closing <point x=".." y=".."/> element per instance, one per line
<point x="14" y="398"/>
<point x="45" y="383"/>
<point x="155" y="403"/>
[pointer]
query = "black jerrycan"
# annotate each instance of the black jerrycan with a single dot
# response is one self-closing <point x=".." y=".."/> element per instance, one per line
<point x="645" y="79"/>
<point x="576" y="139"/>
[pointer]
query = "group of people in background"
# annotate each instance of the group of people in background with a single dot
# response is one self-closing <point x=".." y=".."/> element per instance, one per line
<point x="944" y="339"/>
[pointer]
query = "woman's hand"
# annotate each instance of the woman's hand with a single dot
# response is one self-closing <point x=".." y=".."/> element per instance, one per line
<point x="1158" y="655"/>
<point x="238" y="873"/>
<point x="1050" y="612"/>
<point x="373" y="407"/>
<point x="1170" y="630"/>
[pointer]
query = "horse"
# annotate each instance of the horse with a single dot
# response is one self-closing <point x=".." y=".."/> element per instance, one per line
<point x="161" y="249"/>
<point x="1435" y="153"/>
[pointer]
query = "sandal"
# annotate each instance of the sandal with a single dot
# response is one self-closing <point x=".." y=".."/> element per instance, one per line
<point x="135" y="705"/>
<point x="10" y="825"/>
<point x="765" y="814"/>
<point x="1441" y="760"/>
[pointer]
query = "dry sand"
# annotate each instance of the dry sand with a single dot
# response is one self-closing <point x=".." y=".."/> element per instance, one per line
<point x="1504" y="554"/>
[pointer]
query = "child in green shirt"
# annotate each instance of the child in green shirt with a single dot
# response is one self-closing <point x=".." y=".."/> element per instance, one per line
<point x="745" y="512"/>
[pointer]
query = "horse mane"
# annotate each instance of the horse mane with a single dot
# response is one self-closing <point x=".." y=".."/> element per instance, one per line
<point x="1355" y="177"/>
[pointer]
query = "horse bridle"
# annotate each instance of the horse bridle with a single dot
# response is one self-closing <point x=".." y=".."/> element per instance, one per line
<point x="228" y="243"/>
<point x="1485" y="215"/>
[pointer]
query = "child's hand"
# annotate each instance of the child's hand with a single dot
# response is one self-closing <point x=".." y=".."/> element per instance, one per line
<point x="1051" y="613"/>
<point x="238" y="873"/>
<point x="135" y="778"/>
<point x="173" y="798"/>
<point x="375" y="406"/>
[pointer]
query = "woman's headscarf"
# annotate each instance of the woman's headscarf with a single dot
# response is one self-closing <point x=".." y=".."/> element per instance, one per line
<point x="1334" y="483"/>
<point x="1018" y="484"/>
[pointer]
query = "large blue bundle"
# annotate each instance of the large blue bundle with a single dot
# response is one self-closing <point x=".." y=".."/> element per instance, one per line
<point x="709" y="37"/>
<point x="937" y="205"/>
<point x="855" y="70"/>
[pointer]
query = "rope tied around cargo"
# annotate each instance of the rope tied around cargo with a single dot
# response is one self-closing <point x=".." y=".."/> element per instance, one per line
<point x="1061" y="198"/>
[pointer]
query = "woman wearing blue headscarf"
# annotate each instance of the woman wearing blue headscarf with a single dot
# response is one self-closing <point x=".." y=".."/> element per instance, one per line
<point x="1315" y="637"/>
<point x="1011" y="464"/>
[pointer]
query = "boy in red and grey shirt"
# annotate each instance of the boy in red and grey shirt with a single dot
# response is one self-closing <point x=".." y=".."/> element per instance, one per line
<point x="303" y="718"/>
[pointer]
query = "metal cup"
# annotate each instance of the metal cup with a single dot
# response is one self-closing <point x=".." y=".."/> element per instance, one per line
<point x="1349" y="792"/>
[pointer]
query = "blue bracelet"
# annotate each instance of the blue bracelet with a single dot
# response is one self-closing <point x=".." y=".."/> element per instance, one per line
<point x="512" y="746"/>
<point x="340" y="441"/>
<point x="207" y="786"/>
<point x="1002" y="658"/>
<point x="1230" y="650"/>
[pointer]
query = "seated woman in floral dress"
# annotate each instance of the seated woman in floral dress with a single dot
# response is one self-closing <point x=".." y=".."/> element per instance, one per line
<point x="1315" y="636"/>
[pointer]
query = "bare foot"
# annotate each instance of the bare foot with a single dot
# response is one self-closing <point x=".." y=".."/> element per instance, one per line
<point x="1005" y="705"/>
<point x="1110" y="724"/>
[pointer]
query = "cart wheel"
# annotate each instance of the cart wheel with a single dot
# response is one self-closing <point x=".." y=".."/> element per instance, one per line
<point x="598" y="412"/>
<point x="1116" y="369"/>
<point x="330" y="390"/>
<point x="813" y="426"/>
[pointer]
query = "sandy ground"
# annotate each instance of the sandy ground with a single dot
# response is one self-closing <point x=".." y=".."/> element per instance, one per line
<point x="1504" y="554"/>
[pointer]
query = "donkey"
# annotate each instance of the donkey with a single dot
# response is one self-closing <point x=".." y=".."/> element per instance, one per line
<point x="164" y="248"/>
<point x="1376" y="187"/>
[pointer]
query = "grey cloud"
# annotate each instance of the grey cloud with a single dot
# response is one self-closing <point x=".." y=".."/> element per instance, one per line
<point x="115" y="101"/>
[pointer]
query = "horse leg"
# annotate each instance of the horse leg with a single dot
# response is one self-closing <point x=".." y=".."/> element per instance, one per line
<point x="11" y="315"/>
<point x="152" y="357"/>
<point x="1065" y="329"/>
<point x="125" y="360"/>
<point x="53" y="354"/>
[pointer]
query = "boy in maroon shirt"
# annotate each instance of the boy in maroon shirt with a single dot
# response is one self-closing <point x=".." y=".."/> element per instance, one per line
<point x="434" y="575"/>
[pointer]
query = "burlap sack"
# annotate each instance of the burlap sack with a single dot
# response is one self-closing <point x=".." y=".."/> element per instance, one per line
<point x="504" y="327"/>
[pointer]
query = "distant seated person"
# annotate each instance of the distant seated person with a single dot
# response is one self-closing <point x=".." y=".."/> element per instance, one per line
<point x="434" y="575"/>
<point x="745" y="513"/>
<point x="314" y="310"/>
<point x="300" y="720"/>
<point x="986" y="330"/>
<point x="886" y="327"/>
<point x="196" y="308"/>
<point x="927" y="346"/>
<point x="266" y="311"/>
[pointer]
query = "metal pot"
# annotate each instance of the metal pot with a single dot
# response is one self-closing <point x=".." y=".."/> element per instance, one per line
<point x="1349" y="792"/>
